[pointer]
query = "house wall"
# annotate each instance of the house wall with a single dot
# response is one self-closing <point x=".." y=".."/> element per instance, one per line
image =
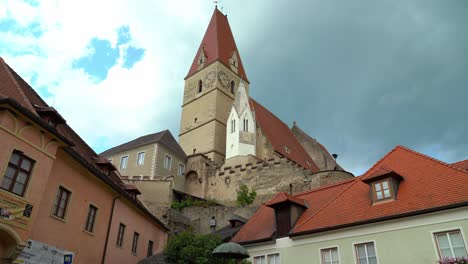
<point x="406" y="240"/>
<point x="174" y="170"/>
<point x="133" y="169"/>
<point x="53" y="168"/>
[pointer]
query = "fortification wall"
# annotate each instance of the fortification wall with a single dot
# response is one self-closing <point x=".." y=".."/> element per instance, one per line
<point x="266" y="178"/>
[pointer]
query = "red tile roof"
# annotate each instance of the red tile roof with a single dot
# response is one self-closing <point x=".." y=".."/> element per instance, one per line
<point x="218" y="44"/>
<point x="11" y="87"/>
<point x="428" y="185"/>
<point x="463" y="165"/>
<point x="281" y="136"/>
<point x="283" y="197"/>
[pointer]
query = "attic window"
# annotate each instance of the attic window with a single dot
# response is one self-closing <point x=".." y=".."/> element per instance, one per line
<point x="287" y="149"/>
<point x="382" y="190"/>
<point x="383" y="185"/>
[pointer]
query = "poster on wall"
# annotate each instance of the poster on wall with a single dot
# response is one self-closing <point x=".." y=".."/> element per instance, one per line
<point x="14" y="211"/>
<point x="36" y="252"/>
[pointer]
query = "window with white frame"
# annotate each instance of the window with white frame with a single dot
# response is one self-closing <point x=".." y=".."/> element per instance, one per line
<point x="141" y="158"/>
<point x="330" y="256"/>
<point x="181" y="169"/>
<point x="167" y="162"/>
<point x="450" y="244"/>
<point x="124" y="162"/>
<point x="259" y="260"/>
<point x="273" y="259"/>
<point x="365" y="253"/>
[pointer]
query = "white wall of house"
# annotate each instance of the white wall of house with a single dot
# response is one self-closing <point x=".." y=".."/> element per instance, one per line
<point x="404" y="240"/>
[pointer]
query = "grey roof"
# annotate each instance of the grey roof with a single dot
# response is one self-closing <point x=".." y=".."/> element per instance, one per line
<point x="155" y="259"/>
<point x="164" y="137"/>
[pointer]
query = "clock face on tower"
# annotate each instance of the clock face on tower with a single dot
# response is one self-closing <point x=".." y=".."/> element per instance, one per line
<point x="209" y="79"/>
<point x="223" y="79"/>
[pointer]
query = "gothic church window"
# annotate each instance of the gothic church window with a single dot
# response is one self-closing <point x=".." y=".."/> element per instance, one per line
<point x="200" y="86"/>
<point x="246" y="125"/>
<point x="232" y="87"/>
<point x="233" y="125"/>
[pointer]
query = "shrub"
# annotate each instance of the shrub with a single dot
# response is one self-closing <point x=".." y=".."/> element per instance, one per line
<point x="244" y="197"/>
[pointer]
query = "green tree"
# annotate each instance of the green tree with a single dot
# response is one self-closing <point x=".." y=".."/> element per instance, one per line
<point x="244" y="197"/>
<point x="188" y="248"/>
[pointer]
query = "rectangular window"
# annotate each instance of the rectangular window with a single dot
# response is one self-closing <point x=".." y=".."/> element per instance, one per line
<point x="365" y="253"/>
<point x="150" y="249"/>
<point x="181" y="169"/>
<point x="330" y="256"/>
<point x="120" y="235"/>
<point x="233" y="125"/>
<point x="135" y="242"/>
<point x="124" y="162"/>
<point x="90" y="219"/>
<point x="61" y="202"/>
<point x="246" y="125"/>
<point x="273" y="259"/>
<point x="450" y="244"/>
<point x="259" y="260"/>
<point x="141" y="158"/>
<point x="167" y="162"/>
<point x="382" y="190"/>
<point x="17" y="173"/>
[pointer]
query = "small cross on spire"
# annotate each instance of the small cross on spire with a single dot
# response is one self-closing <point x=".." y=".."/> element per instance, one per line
<point x="216" y="3"/>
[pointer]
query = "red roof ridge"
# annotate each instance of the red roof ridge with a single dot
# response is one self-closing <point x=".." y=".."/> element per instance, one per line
<point x="324" y="206"/>
<point x="286" y="197"/>
<point x="326" y="186"/>
<point x="431" y="158"/>
<point x="459" y="162"/>
<point x="26" y="103"/>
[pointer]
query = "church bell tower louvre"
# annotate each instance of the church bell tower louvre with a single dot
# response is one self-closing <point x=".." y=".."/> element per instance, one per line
<point x="210" y="88"/>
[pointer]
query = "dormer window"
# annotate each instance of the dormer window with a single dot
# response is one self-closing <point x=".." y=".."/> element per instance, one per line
<point x="382" y="190"/>
<point x="383" y="185"/>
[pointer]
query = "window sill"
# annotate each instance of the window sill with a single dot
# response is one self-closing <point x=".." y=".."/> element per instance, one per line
<point x="87" y="232"/>
<point x="134" y="254"/>
<point x="58" y="218"/>
<point x="117" y="246"/>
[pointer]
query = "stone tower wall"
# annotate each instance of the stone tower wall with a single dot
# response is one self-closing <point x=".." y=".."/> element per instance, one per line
<point x="204" y="115"/>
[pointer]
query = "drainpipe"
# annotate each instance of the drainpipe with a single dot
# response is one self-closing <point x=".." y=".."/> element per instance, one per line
<point x="108" y="230"/>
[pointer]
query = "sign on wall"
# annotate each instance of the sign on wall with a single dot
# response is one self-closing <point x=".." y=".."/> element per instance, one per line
<point x="36" y="252"/>
<point x="14" y="211"/>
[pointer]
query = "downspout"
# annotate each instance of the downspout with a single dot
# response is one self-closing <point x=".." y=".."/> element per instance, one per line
<point x="108" y="230"/>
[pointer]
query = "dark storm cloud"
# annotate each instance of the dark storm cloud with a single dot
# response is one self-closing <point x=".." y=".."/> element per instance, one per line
<point x="362" y="76"/>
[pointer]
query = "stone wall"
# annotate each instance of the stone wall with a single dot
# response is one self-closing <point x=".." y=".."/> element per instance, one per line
<point x="265" y="177"/>
<point x="200" y="216"/>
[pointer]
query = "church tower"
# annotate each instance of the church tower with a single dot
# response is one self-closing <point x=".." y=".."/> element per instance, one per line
<point x="210" y="88"/>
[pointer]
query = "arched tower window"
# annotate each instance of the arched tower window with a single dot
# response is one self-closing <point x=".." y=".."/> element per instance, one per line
<point x="246" y="125"/>
<point x="200" y="86"/>
<point x="233" y="125"/>
<point x="232" y="87"/>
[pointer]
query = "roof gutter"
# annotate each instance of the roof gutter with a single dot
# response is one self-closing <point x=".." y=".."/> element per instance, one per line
<point x="381" y="219"/>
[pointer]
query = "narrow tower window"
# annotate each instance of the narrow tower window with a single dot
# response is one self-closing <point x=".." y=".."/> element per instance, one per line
<point x="232" y="87"/>
<point x="200" y="86"/>
<point x="246" y="125"/>
<point x="233" y="125"/>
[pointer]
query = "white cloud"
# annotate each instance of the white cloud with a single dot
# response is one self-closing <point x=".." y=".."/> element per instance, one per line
<point x="128" y="103"/>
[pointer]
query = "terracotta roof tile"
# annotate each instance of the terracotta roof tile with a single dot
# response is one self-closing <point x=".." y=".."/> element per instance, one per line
<point x="218" y="45"/>
<point x="281" y="136"/>
<point x="283" y="197"/>
<point x="463" y="164"/>
<point x="10" y="87"/>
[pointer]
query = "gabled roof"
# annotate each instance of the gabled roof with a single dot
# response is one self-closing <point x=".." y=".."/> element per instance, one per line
<point x="13" y="87"/>
<point x="164" y="137"/>
<point x="280" y="136"/>
<point x="463" y="165"/>
<point x="283" y="197"/>
<point x="218" y="45"/>
<point x="429" y="185"/>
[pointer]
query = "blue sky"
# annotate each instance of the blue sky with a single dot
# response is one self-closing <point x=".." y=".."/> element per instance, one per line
<point x="359" y="76"/>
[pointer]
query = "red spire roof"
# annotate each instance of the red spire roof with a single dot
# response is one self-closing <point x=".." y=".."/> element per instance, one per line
<point x="218" y="45"/>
